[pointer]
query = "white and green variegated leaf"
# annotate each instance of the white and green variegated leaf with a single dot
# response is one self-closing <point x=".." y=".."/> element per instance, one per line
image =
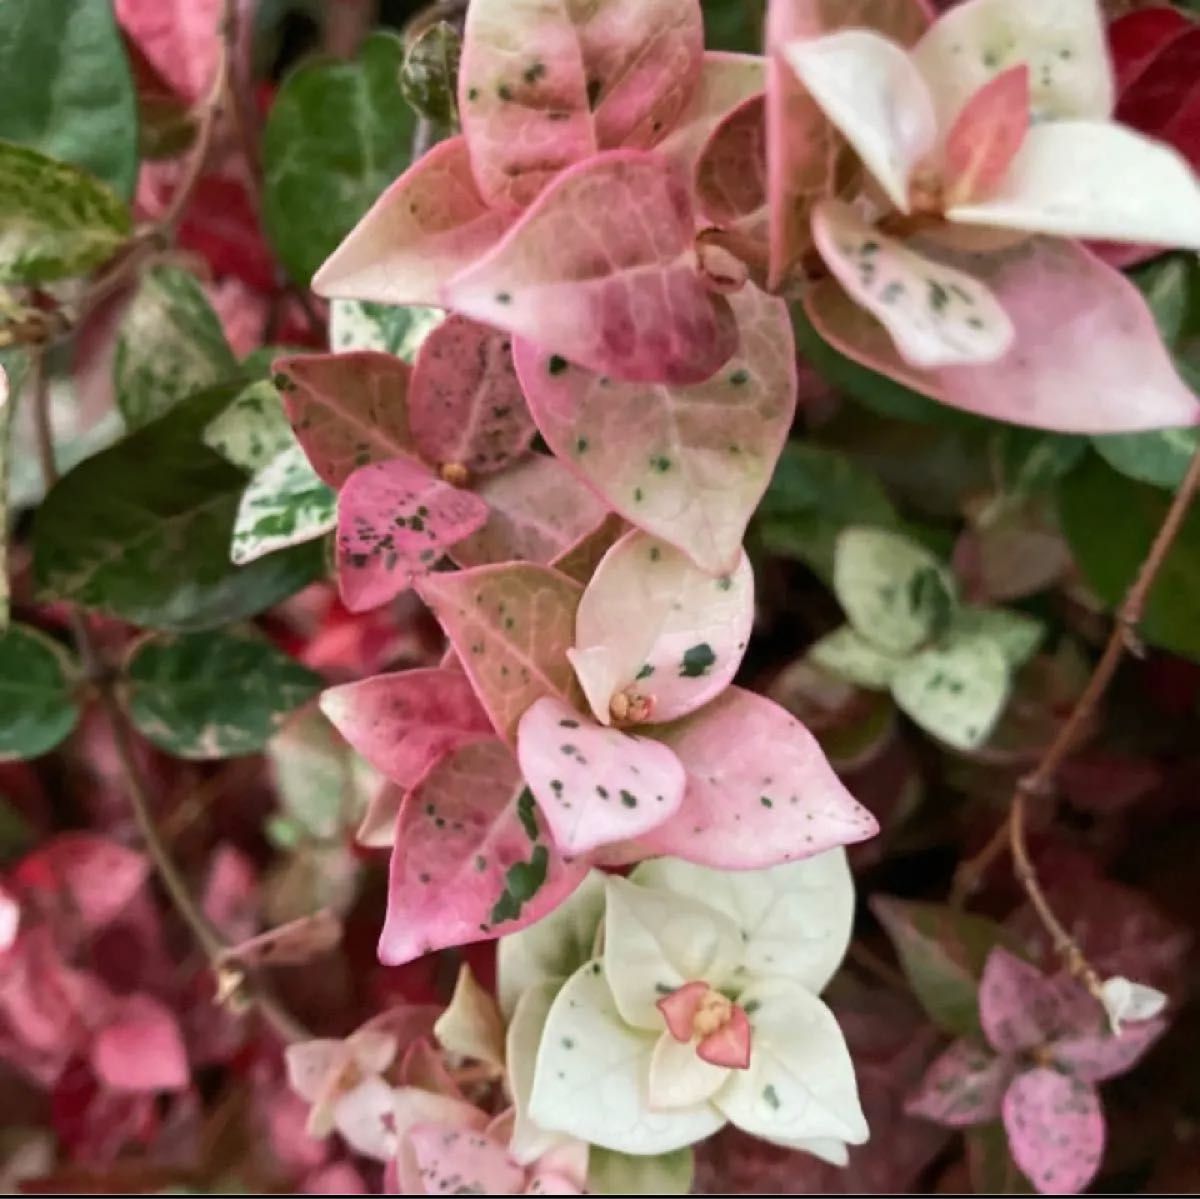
<point x="37" y="693"/>
<point x="850" y="656"/>
<point x="253" y="430"/>
<point x="1160" y="457"/>
<point x="363" y="325"/>
<point x="611" y="1173"/>
<point x="1014" y="634"/>
<point x="285" y="504"/>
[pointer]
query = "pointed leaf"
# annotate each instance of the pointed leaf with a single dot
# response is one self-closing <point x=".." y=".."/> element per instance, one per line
<point x="403" y="723"/>
<point x="1021" y="1009"/>
<point x="471" y="861"/>
<point x="1130" y="1002"/>
<point x="963" y="1086"/>
<point x="395" y="520"/>
<point x="1100" y="1055"/>
<point x="690" y="464"/>
<point x="1055" y="1130"/>
<point x="760" y="791"/>
<point x="986" y="136"/>
<point x="38" y="708"/>
<point x="285" y="504"/>
<point x="511" y="626"/>
<point x="595" y="786"/>
<point x="580" y="278"/>
<point x="141" y="1049"/>
<point x="472" y="1025"/>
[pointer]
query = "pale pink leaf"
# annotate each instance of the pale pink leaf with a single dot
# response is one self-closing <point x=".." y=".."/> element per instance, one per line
<point x="290" y="944"/>
<point x="424" y="1066"/>
<point x="466" y="405"/>
<point x="937" y="315"/>
<point x="730" y="1045"/>
<point x="1055" y="1130"/>
<point x="965" y="1085"/>
<point x="986" y="136"/>
<point x="579" y="561"/>
<point x="141" y="1049"/>
<point x="471" y="861"/>
<point x="312" y="1067"/>
<point x="395" y="520"/>
<point x="347" y="410"/>
<point x="760" y="790"/>
<point x="377" y="828"/>
<point x="687" y="464"/>
<point x="544" y="86"/>
<point x="1021" y="1008"/>
<point x="538" y="510"/>
<point x="657" y="628"/>
<point x="411" y="1108"/>
<point x="601" y="272"/>
<point x="180" y="38"/>
<point x="595" y="786"/>
<point x="511" y="626"/>
<point x="453" y="1161"/>
<point x="731" y="179"/>
<point x="404" y="722"/>
<point x="1100" y="1055"/>
<point x="430" y="223"/>
<point x="10" y="920"/>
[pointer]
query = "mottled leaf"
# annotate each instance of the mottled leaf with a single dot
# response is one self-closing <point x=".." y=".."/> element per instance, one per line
<point x="385" y="328"/>
<point x="253" y="431"/>
<point x="1055" y="1130"/>
<point x="963" y="1086"/>
<point x="37" y="701"/>
<point x="285" y="504"/>
<point x="847" y="654"/>
<point x="429" y="80"/>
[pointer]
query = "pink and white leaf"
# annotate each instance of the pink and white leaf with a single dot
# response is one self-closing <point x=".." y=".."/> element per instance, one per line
<point x="466" y="405"/>
<point x="965" y="1085"/>
<point x="141" y="1048"/>
<point x="347" y="410"/>
<point x="686" y="464"/>
<point x="181" y="39"/>
<point x="1055" y="1130"/>
<point x="595" y="786"/>
<point x="1021" y="1008"/>
<point x="600" y="271"/>
<point x="395" y="520"/>
<point x="760" y="790"/>
<point x="511" y="626"/>
<point x="731" y="178"/>
<point x="403" y="723"/>
<point x="454" y="1161"/>
<point x="986" y="136"/>
<point x="467" y="865"/>
<point x="429" y="224"/>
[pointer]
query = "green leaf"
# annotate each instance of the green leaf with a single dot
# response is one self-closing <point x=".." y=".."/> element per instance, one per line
<point x="170" y="345"/>
<point x="942" y="952"/>
<point x="993" y="1171"/>
<point x="142" y="531"/>
<point x="734" y="25"/>
<point x="285" y="504"/>
<point x="66" y="89"/>
<point x="337" y="135"/>
<point x="1160" y="458"/>
<point x="57" y="221"/>
<point x="8" y="399"/>
<point x="37" y="701"/>
<point x="1110" y="522"/>
<point x="612" y="1173"/>
<point x="253" y="431"/>
<point x="816" y="493"/>
<point x="429" y="80"/>
<point x="212" y="695"/>
<point x="362" y="325"/>
<point x="847" y="655"/>
<point x="1028" y="461"/>
<point x="1014" y="634"/>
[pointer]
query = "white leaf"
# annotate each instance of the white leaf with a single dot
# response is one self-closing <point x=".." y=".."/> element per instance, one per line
<point x="850" y="656"/>
<point x="1129" y="1002"/>
<point x="528" y="1020"/>
<point x="679" y="1077"/>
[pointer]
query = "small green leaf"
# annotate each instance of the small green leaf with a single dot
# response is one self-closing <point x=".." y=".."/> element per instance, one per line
<point x="942" y="952"/>
<point x="1028" y="461"/>
<point x="58" y="222"/>
<point x="848" y="656"/>
<point x="285" y="504"/>
<point x="1014" y="634"/>
<point x="362" y="325"/>
<point x="429" y="80"/>
<point x="212" y="695"/>
<point x="337" y="135"/>
<point x="170" y="345"/>
<point x="253" y="431"/>
<point x="1160" y="458"/>
<point x="66" y="89"/>
<point x="993" y="1171"/>
<point x="37" y="702"/>
<point x="612" y="1173"/>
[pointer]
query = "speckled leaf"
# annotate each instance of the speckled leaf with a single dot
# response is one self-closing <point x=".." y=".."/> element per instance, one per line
<point x="347" y="409"/>
<point x="848" y="655"/>
<point x="760" y="790"/>
<point x="385" y="328"/>
<point x="285" y="504"/>
<point x="177" y="690"/>
<point x="430" y="223"/>
<point x="614" y="73"/>
<point x="538" y="510"/>
<point x="956" y="689"/>
<point x="58" y="221"/>
<point x="687" y="464"/>
<point x="338" y="133"/>
<point x="731" y="179"/>
<point x="429" y="80"/>
<point x="963" y="1086"/>
<point x="1055" y="1130"/>
<point x="595" y="786"/>
<point x="511" y="627"/>
<point x="37" y="702"/>
<point x="652" y="624"/>
<point x="403" y="723"/>
<point x="466" y="404"/>
<point x="253" y="431"/>
<point x="394" y="521"/>
<point x="471" y="861"/>
<point x="170" y="345"/>
<point x="580" y="277"/>
<point x="1100" y="1054"/>
<point x="457" y="1161"/>
<point x="1022" y="1009"/>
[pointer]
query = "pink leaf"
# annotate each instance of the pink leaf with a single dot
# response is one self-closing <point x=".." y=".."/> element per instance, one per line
<point x="429" y="224"/>
<point x="964" y="1086"/>
<point x="613" y="73"/>
<point x="466" y="405"/>
<point x="596" y="786"/>
<point x="730" y="1045"/>
<point x="470" y="861"/>
<point x="1100" y="1055"/>
<point x="986" y="135"/>
<point x="679" y="1009"/>
<point x="687" y="464"/>
<point x="10" y="920"/>
<point x="601" y="271"/>
<point x="347" y="410"/>
<point x="731" y="178"/>
<point x="1021" y="1008"/>
<point x="511" y="626"/>
<point x="290" y="944"/>
<point x="395" y="520"/>
<point x="142" y="1049"/>
<point x="180" y="38"/>
<point x="453" y="1161"/>
<point x="403" y="723"/>
<point x="538" y="511"/>
<point x="1055" y="1130"/>
<point x="760" y="791"/>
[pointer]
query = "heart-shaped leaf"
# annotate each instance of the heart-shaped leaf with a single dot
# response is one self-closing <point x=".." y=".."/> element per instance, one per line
<point x="37" y="702"/>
